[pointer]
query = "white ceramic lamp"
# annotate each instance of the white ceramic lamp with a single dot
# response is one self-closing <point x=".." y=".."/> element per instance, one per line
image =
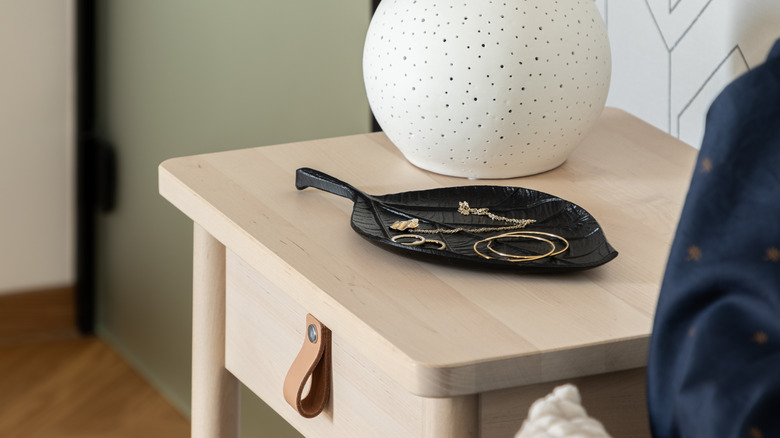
<point x="486" y="89"/>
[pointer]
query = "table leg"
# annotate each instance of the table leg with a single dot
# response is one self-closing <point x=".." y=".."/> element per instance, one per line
<point x="215" y="391"/>
<point x="456" y="417"/>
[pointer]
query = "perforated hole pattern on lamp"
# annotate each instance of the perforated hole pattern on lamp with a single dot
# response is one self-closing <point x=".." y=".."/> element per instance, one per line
<point x="485" y="90"/>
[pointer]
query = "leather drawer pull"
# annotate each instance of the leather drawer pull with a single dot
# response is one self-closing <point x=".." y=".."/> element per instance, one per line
<point x="312" y="361"/>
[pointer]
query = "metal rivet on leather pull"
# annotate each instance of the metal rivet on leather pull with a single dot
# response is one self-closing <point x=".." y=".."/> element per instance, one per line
<point x="312" y="333"/>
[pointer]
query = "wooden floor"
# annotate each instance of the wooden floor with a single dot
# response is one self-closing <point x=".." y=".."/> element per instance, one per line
<point x="37" y="316"/>
<point x="56" y="384"/>
<point x="81" y="388"/>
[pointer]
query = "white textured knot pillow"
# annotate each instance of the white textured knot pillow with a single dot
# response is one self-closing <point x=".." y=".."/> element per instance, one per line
<point x="560" y="414"/>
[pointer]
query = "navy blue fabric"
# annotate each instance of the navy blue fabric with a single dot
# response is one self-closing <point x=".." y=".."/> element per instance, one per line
<point x="714" y="365"/>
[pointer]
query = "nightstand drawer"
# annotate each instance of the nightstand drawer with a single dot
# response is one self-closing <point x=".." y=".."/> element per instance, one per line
<point x="264" y="332"/>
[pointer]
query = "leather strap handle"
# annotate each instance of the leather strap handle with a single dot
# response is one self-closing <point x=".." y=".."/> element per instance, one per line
<point x="314" y="360"/>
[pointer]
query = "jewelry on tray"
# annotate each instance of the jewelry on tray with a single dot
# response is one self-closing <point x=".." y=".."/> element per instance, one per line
<point x="514" y="257"/>
<point x="403" y="225"/>
<point x="535" y="235"/>
<point x="554" y="236"/>
<point x="418" y="240"/>
<point x="465" y="210"/>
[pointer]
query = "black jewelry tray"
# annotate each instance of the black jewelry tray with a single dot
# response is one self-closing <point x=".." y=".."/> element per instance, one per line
<point x="372" y="217"/>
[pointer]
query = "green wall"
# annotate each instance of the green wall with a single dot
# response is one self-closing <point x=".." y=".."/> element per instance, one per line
<point x="182" y="77"/>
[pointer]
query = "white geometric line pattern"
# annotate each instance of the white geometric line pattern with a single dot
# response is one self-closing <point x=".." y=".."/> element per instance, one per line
<point x="687" y="126"/>
<point x="671" y="58"/>
<point x="736" y="49"/>
<point x="675" y="22"/>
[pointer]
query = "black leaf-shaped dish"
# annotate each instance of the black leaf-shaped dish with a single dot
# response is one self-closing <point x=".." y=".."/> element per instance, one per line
<point x="437" y="209"/>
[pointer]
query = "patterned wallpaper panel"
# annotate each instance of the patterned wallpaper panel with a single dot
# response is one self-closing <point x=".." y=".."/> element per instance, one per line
<point x="671" y="58"/>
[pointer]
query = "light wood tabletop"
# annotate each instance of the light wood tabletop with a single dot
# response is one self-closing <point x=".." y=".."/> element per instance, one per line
<point x="439" y="330"/>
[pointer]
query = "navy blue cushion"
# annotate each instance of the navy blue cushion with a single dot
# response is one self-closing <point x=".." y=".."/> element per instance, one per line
<point x="714" y="365"/>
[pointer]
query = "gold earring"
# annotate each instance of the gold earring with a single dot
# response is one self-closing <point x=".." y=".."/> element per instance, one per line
<point x="403" y="225"/>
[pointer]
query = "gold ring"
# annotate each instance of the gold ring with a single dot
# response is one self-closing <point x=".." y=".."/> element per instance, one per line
<point x="511" y="257"/>
<point x="420" y="239"/>
<point x="441" y="244"/>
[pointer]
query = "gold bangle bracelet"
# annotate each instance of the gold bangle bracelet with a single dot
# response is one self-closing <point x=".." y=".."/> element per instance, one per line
<point x="511" y="257"/>
<point x="554" y="236"/>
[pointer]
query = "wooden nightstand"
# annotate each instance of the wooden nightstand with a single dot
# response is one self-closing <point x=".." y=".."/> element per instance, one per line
<point x="421" y="349"/>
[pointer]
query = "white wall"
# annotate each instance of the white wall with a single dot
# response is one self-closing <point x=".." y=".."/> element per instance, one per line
<point x="36" y="143"/>
<point x="671" y="58"/>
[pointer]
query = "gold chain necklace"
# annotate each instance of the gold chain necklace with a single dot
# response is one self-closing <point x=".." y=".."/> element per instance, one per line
<point x="465" y="210"/>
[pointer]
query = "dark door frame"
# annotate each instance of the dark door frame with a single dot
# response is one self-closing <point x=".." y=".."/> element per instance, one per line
<point x="85" y="118"/>
<point x="95" y="165"/>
